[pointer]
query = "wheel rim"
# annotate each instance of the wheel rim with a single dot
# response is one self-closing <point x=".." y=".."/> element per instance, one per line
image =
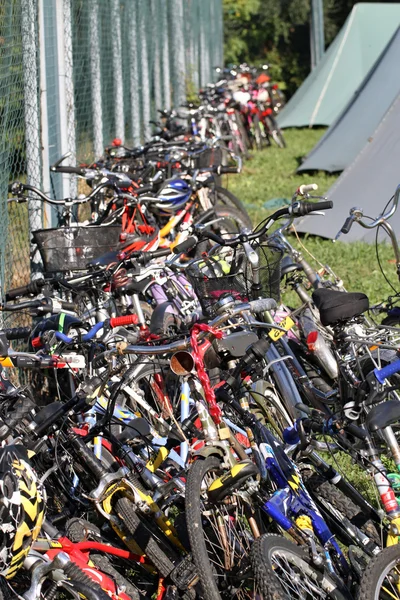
<point x="299" y="580"/>
<point x="228" y="539"/>
<point x="389" y="582"/>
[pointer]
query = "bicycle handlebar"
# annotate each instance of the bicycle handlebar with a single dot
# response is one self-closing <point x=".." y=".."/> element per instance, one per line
<point x="356" y="215"/>
<point x="297" y="209"/>
<point x="69" y="170"/>
<point x="33" y="287"/>
<point x="17" y="189"/>
<point x="260" y="305"/>
<point x="42" y="305"/>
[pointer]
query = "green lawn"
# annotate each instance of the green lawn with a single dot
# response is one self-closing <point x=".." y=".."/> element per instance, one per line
<point x="271" y="173"/>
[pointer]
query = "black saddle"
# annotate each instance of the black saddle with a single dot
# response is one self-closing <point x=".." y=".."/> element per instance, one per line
<point x="383" y="415"/>
<point x="336" y="306"/>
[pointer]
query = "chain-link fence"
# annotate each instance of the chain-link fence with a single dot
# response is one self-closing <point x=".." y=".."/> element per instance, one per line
<point x="74" y="74"/>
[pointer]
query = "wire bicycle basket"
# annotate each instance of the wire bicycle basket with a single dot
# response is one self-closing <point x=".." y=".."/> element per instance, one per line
<point x="214" y="278"/>
<point x="71" y="248"/>
<point x="270" y="256"/>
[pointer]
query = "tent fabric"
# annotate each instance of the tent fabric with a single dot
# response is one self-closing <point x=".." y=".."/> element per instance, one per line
<point x="368" y="183"/>
<point x="329" y="87"/>
<point x="347" y="136"/>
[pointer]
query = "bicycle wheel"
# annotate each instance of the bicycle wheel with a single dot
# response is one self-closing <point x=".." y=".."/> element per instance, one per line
<point x="257" y="132"/>
<point x="220" y="535"/>
<point x="80" y="591"/>
<point x="224" y="221"/>
<point x="225" y="197"/>
<point x="152" y="392"/>
<point x="335" y="506"/>
<point x="144" y="537"/>
<point x="283" y="571"/>
<point x="381" y="580"/>
<point x="103" y="563"/>
<point x="227" y="220"/>
<point x="275" y="132"/>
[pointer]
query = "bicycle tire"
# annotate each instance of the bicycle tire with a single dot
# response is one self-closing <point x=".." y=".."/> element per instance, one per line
<point x="231" y="220"/>
<point x="270" y="585"/>
<point x="84" y="590"/>
<point x="104" y="564"/>
<point x="206" y="546"/>
<point x="258" y="138"/>
<point x="148" y="370"/>
<point x="375" y="575"/>
<point x="193" y="520"/>
<point x="233" y="214"/>
<point x="275" y="132"/>
<point x="165" y="322"/>
<point x="328" y="496"/>
<point x="136" y="527"/>
<point x="226" y="197"/>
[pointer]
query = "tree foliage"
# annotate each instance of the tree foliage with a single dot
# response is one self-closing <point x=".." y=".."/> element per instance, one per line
<point x="278" y="32"/>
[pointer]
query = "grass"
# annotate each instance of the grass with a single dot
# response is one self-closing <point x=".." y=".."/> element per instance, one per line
<point x="271" y="174"/>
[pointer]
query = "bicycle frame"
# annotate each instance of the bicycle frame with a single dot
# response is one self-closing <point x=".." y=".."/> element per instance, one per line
<point x="79" y="554"/>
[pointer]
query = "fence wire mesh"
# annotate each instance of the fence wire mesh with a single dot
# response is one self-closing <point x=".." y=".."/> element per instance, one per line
<point x="74" y="74"/>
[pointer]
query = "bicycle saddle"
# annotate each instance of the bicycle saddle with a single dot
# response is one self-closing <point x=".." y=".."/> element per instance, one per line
<point x="336" y="306"/>
<point x="383" y="415"/>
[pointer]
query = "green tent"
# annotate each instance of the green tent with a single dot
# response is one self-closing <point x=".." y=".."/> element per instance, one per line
<point x="330" y="86"/>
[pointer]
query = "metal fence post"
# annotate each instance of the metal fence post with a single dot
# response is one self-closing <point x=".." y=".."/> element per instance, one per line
<point x="69" y="94"/>
<point x="165" y="50"/>
<point x="31" y="112"/>
<point x="117" y="71"/>
<point x="145" y="80"/>
<point x="95" y="78"/>
<point x="43" y="114"/>
<point x="63" y="89"/>
<point x="155" y="10"/>
<point x="134" y="74"/>
<point x="204" y="44"/>
<point x="178" y="37"/>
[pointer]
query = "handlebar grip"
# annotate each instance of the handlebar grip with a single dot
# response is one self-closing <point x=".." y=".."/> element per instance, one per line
<point x="263" y="304"/>
<point x="224" y="170"/>
<point x="122" y="321"/>
<point x="17" y="333"/>
<point x="392" y="369"/>
<point x="300" y="209"/>
<point x="159" y="253"/>
<point x="324" y="205"/>
<point x="186" y="245"/>
<point x="67" y="305"/>
<point x="304" y="189"/>
<point x="358" y="432"/>
<point x="145" y="258"/>
<point x="33" y="287"/>
<point x="347" y="225"/>
<point x="99" y="361"/>
<point x="143" y="190"/>
<point x="69" y="170"/>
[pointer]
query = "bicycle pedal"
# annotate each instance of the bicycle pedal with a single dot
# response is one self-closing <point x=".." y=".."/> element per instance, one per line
<point x="232" y="481"/>
<point x="184" y="576"/>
